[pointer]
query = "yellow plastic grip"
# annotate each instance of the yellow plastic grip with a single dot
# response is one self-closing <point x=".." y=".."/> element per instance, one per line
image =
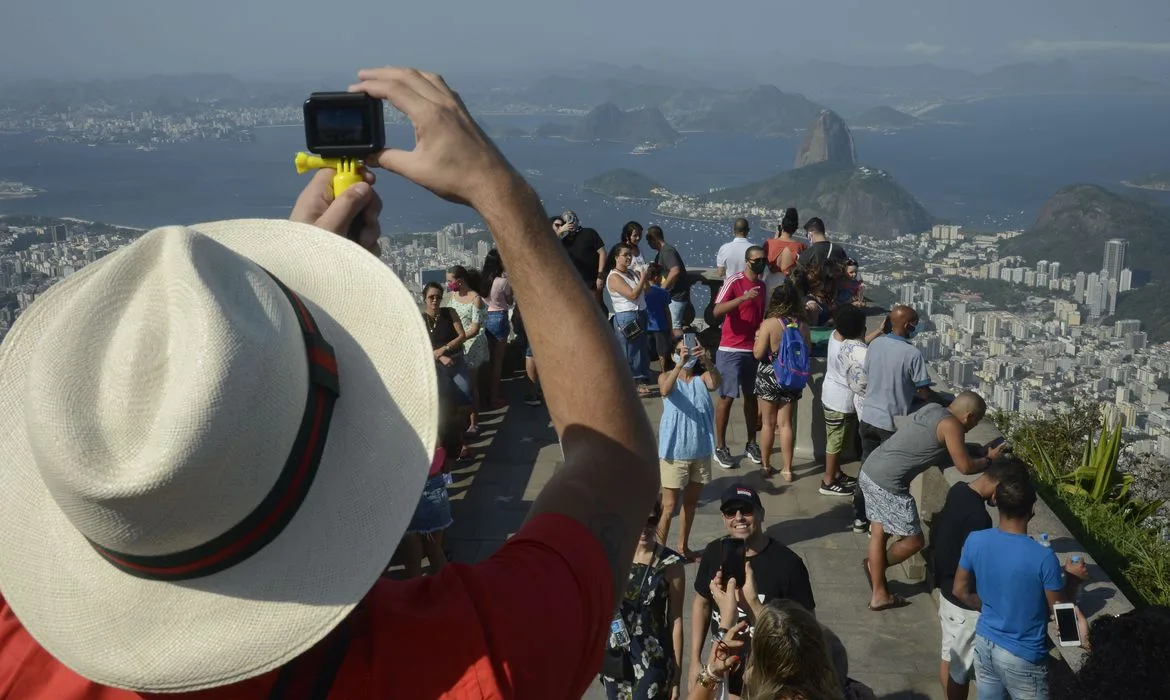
<point x="348" y="170"/>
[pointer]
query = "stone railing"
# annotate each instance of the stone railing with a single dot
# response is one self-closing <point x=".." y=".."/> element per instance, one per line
<point x="1099" y="596"/>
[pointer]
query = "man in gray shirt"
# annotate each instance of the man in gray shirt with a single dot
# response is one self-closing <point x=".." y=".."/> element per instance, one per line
<point x="896" y="374"/>
<point x="930" y="436"/>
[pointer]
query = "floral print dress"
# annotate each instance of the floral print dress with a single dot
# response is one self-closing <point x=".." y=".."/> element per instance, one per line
<point x="649" y="663"/>
<point x="475" y="349"/>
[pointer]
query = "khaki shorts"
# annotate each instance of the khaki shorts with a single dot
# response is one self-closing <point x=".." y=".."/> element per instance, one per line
<point x="677" y="473"/>
<point x="838" y="426"/>
<point x="958" y="639"/>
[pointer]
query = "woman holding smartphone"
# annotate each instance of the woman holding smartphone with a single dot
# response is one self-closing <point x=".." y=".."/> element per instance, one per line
<point x="686" y="435"/>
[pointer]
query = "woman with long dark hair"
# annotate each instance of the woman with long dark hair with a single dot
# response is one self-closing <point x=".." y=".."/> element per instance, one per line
<point x="627" y="295"/>
<point x="466" y="302"/>
<point x="632" y="236"/>
<point x="777" y="404"/>
<point x="782" y="251"/>
<point x="498" y="292"/>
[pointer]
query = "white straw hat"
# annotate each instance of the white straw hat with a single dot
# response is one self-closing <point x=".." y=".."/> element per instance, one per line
<point x="165" y="522"/>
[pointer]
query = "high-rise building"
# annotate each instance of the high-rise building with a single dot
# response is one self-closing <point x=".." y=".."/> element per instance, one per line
<point x="1042" y="267"/>
<point x="993" y="326"/>
<point x="1054" y="270"/>
<point x="1079" y="284"/>
<point x="1126" y="282"/>
<point x="962" y="372"/>
<point x="443" y="242"/>
<point x="1112" y="291"/>
<point x="959" y="311"/>
<point x="1114" y="262"/>
<point x="1136" y="341"/>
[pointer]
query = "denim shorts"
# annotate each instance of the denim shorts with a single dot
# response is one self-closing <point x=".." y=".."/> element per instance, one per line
<point x="497" y="325"/>
<point x="678" y="310"/>
<point x="434" y="509"/>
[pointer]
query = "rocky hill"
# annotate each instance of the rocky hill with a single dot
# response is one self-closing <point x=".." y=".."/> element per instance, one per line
<point x="827" y="141"/>
<point x="852" y="199"/>
<point x="1074" y="224"/>
<point x="608" y="122"/>
<point x="622" y="183"/>
<point x="883" y="117"/>
<point x="761" y="111"/>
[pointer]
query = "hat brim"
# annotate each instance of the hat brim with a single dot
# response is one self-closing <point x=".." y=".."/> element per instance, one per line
<point x="128" y="632"/>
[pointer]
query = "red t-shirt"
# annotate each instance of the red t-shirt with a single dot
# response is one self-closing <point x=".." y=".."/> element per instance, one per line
<point x="531" y="621"/>
<point x="740" y="326"/>
<point x="774" y="247"/>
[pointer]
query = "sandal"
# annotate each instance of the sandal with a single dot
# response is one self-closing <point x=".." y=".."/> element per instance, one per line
<point x="787" y="475"/>
<point x="897" y="602"/>
<point x="767" y="472"/>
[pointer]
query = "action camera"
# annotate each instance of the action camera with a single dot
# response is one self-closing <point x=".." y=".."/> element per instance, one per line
<point x="344" y="124"/>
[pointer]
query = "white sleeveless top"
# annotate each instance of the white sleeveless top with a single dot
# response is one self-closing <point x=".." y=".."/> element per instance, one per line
<point x="619" y="302"/>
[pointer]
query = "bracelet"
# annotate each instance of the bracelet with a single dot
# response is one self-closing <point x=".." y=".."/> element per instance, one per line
<point x="707" y="679"/>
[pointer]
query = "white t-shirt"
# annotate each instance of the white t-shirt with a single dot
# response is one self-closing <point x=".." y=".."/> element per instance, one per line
<point x="619" y="302"/>
<point x="838" y="392"/>
<point x="835" y="393"/>
<point x="731" y="256"/>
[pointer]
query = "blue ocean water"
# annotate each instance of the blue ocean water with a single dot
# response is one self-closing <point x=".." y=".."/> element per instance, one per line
<point x="986" y="163"/>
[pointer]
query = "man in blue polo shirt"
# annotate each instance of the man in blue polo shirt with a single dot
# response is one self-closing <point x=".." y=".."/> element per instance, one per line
<point x="896" y="374"/>
<point x="1014" y="581"/>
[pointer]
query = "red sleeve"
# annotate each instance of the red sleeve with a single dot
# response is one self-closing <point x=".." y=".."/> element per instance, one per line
<point x="727" y="291"/>
<point x="545" y="603"/>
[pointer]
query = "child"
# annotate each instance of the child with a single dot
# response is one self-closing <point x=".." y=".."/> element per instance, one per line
<point x="850" y="288"/>
<point x="658" y="316"/>
<point x="432" y="516"/>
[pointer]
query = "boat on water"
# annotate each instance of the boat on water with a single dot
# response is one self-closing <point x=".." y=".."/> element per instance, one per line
<point x="643" y="149"/>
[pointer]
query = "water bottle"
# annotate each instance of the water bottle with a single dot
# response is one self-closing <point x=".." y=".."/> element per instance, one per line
<point x="1044" y="540"/>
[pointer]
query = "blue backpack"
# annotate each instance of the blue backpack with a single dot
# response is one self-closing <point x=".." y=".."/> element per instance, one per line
<point x="792" y="361"/>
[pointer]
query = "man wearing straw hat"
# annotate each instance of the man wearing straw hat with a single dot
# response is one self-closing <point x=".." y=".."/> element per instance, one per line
<point x="212" y="446"/>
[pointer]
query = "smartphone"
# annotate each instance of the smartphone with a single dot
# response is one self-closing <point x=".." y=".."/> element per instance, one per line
<point x="691" y="342"/>
<point x="732" y="560"/>
<point x="1066" y="625"/>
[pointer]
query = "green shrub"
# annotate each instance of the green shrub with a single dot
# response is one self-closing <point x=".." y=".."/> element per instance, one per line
<point x="1077" y="477"/>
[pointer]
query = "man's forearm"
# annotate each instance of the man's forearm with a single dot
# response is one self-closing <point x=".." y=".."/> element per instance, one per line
<point x="726" y="307"/>
<point x="700" y="618"/>
<point x="610" y="476"/>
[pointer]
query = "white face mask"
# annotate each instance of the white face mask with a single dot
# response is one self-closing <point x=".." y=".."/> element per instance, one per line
<point x="676" y="357"/>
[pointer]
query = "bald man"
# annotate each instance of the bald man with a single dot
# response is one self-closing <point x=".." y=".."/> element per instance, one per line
<point x="931" y="436"/>
<point x="896" y="374"/>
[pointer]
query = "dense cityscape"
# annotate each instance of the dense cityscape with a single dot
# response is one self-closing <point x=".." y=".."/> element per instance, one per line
<point x="1030" y="338"/>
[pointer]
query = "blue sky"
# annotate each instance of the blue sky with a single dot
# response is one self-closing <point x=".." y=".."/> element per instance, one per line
<point x="115" y="38"/>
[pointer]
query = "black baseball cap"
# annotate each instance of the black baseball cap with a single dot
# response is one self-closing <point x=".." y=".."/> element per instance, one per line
<point x="739" y="493"/>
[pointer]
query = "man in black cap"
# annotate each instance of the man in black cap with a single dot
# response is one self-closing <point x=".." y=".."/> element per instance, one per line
<point x="778" y="572"/>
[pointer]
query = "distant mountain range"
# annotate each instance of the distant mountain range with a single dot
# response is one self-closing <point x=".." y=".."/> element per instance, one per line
<point x="914" y="89"/>
<point x="608" y="122"/>
<point x="883" y="117"/>
<point x="1074" y="224"/>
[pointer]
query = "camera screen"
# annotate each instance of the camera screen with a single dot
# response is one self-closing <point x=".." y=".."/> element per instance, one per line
<point x="1066" y="625"/>
<point x="342" y="126"/>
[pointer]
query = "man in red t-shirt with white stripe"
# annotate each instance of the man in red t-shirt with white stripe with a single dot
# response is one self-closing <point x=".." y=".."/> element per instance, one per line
<point x="740" y="304"/>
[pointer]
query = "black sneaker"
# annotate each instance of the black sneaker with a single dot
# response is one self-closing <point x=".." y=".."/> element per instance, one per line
<point x="835" y="489"/>
<point x="846" y="480"/>
<point x="752" y="450"/>
<point x="860" y="526"/>
<point x="723" y="458"/>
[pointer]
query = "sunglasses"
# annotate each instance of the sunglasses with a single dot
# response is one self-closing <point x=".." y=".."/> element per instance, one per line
<point x="730" y="511"/>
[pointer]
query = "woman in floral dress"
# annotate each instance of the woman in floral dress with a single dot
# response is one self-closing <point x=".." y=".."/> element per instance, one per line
<point x="471" y="309"/>
<point x="645" y="663"/>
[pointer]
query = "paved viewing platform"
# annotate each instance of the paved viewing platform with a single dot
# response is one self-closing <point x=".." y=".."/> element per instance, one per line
<point x="895" y="651"/>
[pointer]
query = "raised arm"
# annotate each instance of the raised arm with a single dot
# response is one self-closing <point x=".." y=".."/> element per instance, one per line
<point x="610" y="475"/>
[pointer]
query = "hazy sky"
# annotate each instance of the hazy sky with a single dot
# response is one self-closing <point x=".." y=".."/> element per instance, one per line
<point x="115" y="38"/>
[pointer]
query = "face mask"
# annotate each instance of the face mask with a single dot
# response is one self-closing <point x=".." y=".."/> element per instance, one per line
<point x="676" y="357"/>
<point x="452" y="286"/>
<point x="913" y="331"/>
<point x="758" y="265"/>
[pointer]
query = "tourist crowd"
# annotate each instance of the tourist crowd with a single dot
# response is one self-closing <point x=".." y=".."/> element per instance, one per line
<point x="216" y="442"/>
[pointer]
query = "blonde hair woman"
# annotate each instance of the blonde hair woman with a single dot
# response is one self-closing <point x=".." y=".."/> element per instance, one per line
<point x="790" y="658"/>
